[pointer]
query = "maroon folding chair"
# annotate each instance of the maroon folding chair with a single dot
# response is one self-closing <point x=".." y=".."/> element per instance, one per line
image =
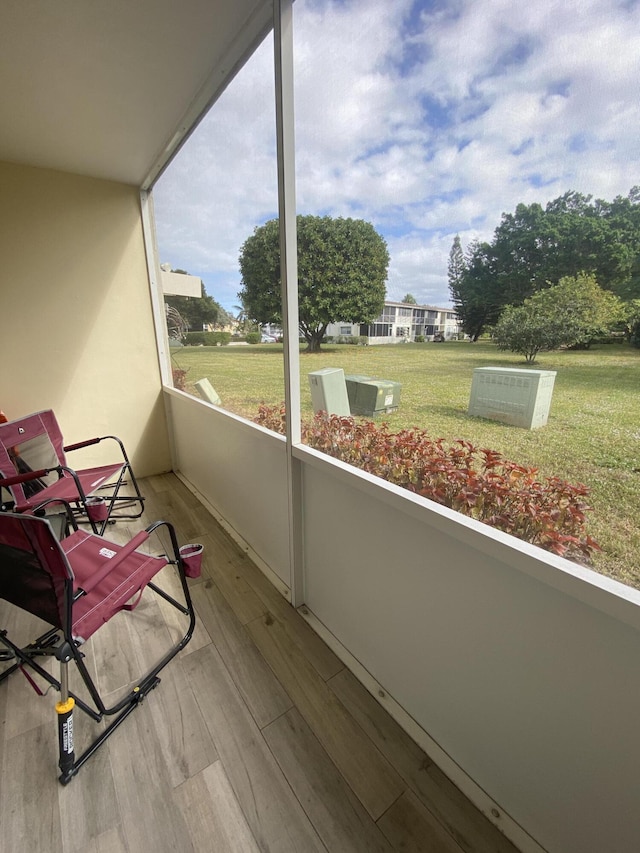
<point x="77" y="585"/>
<point x="98" y="495"/>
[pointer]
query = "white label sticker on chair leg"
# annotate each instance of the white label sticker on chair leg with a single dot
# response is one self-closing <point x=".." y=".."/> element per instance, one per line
<point x="105" y="552"/>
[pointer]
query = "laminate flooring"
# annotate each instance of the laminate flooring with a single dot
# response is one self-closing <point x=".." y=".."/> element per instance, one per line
<point x="257" y="739"/>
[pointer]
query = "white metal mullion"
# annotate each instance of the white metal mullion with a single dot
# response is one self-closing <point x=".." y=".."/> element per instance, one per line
<point x="285" y="136"/>
<point x="155" y="284"/>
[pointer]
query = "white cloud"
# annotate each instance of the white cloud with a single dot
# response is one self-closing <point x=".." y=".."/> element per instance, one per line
<point x="426" y="130"/>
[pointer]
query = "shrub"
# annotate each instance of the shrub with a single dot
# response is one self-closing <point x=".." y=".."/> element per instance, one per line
<point x="419" y="339"/>
<point x="353" y="340"/>
<point x="477" y="482"/>
<point x="207" y="339"/>
<point x="571" y="313"/>
<point x="179" y="378"/>
<point x="254" y="338"/>
<point x="272" y="417"/>
<point x="211" y="339"/>
<point x="633" y="322"/>
<point x="194" y="339"/>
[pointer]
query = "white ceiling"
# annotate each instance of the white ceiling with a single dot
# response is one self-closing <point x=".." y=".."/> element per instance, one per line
<point x="108" y="88"/>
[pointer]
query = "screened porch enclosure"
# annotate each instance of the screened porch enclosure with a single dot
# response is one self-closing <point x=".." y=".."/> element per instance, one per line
<point x="514" y="670"/>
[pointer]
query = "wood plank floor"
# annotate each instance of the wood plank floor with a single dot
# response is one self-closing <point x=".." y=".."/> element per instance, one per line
<point x="257" y="739"/>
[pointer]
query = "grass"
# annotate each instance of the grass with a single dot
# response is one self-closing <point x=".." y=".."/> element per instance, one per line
<point x="592" y="437"/>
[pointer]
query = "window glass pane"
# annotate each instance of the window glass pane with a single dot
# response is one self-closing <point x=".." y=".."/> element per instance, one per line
<point x="437" y="120"/>
<point x="219" y="188"/>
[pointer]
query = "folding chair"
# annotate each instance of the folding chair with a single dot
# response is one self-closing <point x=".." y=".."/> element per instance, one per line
<point x="76" y="586"/>
<point x="35" y="443"/>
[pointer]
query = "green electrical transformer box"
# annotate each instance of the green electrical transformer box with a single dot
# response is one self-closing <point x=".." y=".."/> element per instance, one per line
<point x="328" y="391"/>
<point x="521" y="398"/>
<point x="371" y="397"/>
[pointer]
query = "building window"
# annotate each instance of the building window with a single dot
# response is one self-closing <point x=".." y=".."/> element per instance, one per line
<point x="376" y="330"/>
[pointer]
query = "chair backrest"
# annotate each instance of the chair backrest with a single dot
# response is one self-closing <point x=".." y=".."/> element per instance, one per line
<point x="34" y="572"/>
<point x="29" y="444"/>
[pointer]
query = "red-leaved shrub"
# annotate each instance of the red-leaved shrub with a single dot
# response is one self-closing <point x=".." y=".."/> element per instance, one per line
<point x="179" y="378"/>
<point x="475" y="481"/>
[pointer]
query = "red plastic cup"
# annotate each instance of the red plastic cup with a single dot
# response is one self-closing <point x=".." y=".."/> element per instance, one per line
<point x="192" y="559"/>
<point x="97" y="509"/>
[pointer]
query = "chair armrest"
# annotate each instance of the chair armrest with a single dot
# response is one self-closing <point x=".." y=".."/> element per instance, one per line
<point x="40" y="510"/>
<point x="7" y="482"/>
<point x="111" y="564"/>
<point x="90" y="441"/>
<point x="80" y="444"/>
<point x="24" y="478"/>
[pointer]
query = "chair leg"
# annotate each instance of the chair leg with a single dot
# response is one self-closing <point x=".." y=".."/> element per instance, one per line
<point x="127" y="500"/>
<point x="134" y="699"/>
<point x="64" y="710"/>
<point x="26" y="658"/>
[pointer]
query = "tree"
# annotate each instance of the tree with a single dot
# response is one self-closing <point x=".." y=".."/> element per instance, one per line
<point x="244" y="324"/>
<point x="523" y="330"/>
<point x="177" y="326"/>
<point x="534" y="247"/>
<point x="571" y="313"/>
<point x="584" y="309"/>
<point x="197" y="312"/>
<point x="342" y="269"/>
<point x="409" y="299"/>
<point x="473" y="285"/>
<point x="623" y="215"/>
<point x="456" y="266"/>
<point x="632" y="322"/>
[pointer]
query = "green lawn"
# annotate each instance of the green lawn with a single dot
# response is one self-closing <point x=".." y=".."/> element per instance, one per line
<point x="593" y="433"/>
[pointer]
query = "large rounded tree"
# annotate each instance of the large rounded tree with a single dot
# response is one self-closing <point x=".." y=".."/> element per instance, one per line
<point x="342" y="270"/>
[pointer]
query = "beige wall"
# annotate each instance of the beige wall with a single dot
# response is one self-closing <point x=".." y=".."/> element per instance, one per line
<point x="76" y="332"/>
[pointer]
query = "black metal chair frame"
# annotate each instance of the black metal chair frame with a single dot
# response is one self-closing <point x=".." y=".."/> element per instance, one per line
<point x="23" y="500"/>
<point x="60" y="643"/>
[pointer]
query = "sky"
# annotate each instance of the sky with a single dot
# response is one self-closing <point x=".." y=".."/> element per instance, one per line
<point x="428" y="118"/>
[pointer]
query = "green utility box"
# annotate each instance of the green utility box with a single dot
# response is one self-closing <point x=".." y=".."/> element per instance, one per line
<point x="328" y="391"/>
<point x="371" y="397"/>
<point x="353" y="381"/>
<point x="517" y="397"/>
<point x="208" y="392"/>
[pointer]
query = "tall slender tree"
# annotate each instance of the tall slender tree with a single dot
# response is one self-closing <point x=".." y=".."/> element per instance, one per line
<point x="456" y="265"/>
<point x="473" y="286"/>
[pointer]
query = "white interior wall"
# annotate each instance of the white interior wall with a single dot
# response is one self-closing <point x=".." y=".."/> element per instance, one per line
<point x="522" y="672"/>
<point x="239" y="469"/>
